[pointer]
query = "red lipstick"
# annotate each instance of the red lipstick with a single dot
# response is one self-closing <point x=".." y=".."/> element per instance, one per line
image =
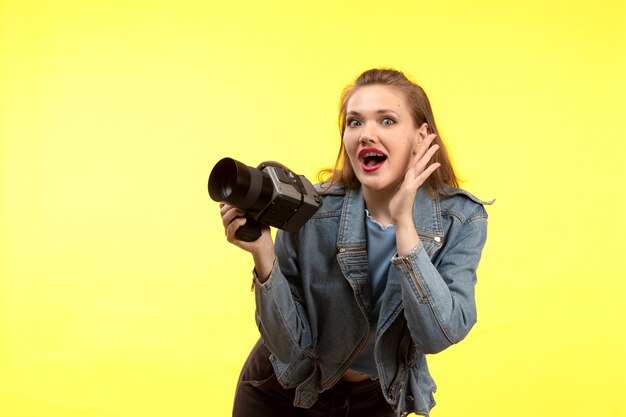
<point x="371" y="159"/>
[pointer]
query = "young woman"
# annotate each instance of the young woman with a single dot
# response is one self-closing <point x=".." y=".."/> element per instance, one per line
<point x="381" y="275"/>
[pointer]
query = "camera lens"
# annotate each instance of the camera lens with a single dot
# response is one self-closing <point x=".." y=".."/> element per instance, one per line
<point x="242" y="186"/>
<point x="227" y="184"/>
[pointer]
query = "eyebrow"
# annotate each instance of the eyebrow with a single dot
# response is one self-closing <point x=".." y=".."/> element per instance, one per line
<point x="381" y="111"/>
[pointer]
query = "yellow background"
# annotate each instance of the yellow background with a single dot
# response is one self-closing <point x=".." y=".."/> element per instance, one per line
<point x="119" y="295"/>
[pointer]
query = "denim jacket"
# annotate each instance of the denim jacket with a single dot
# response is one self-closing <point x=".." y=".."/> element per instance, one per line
<point x="312" y="312"/>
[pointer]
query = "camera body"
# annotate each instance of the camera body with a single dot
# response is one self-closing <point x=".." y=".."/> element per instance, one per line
<point x="270" y="195"/>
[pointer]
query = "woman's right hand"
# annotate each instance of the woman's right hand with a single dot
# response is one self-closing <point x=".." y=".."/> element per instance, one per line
<point x="262" y="249"/>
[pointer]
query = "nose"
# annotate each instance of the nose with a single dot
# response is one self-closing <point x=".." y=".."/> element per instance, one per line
<point x="368" y="135"/>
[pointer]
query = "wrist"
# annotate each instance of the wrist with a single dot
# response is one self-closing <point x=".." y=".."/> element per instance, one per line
<point x="403" y="222"/>
<point x="263" y="264"/>
<point x="406" y="239"/>
<point x="261" y="279"/>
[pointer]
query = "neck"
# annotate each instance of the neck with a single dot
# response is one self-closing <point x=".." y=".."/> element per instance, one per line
<point x="377" y="203"/>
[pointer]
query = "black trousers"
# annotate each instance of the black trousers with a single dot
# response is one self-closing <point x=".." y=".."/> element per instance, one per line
<point x="260" y="395"/>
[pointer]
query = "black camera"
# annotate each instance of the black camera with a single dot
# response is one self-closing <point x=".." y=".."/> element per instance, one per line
<point x="270" y="195"/>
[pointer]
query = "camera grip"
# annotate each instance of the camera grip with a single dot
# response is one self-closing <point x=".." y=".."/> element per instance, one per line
<point x="250" y="231"/>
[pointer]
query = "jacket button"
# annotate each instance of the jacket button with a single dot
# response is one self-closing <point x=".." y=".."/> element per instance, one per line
<point x="409" y="398"/>
<point x="437" y="239"/>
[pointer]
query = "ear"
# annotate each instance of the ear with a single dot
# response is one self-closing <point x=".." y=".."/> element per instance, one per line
<point x="423" y="131"/>
<point x="420" y="134"/>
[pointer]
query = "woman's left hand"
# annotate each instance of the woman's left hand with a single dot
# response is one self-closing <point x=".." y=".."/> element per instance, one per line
<point x="420" y="168"/>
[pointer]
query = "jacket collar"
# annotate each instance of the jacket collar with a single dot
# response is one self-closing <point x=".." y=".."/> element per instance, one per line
<point x="426" y="217"/>
<point x="427" y="213"/>
<point x="352" y="224"/>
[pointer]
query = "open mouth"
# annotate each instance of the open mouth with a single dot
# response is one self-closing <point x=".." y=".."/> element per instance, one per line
<point x="371" y="159"/>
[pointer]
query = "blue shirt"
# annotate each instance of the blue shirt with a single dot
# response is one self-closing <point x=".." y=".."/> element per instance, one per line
<point x="381" y="247"/>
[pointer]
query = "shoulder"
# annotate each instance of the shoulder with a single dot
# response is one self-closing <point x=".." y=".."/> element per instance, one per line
<point x="462" y="204"/>
<point x="332" y="199"/>
<point x="327" y="189"/>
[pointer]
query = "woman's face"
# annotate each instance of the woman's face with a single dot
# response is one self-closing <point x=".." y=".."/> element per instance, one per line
<point x="380" y="136"/>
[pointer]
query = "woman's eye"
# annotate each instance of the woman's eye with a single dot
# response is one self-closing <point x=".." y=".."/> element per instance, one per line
<point x="353" y="123"/>
<point x="387" y="121"/>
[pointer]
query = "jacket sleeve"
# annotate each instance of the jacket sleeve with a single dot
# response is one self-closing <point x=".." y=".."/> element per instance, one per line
<point x="439" y="302"/>
<point x="280" y="315"/>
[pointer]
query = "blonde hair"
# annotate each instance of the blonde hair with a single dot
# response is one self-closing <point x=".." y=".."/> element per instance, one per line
<point x="422" y="113"/>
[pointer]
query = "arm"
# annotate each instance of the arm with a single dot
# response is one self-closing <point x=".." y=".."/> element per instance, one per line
<point x="280" y="316"/>
<point x="439" y="303"/>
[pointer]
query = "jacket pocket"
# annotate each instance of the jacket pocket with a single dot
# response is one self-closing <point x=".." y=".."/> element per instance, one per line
<point x="432" y="243"/>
